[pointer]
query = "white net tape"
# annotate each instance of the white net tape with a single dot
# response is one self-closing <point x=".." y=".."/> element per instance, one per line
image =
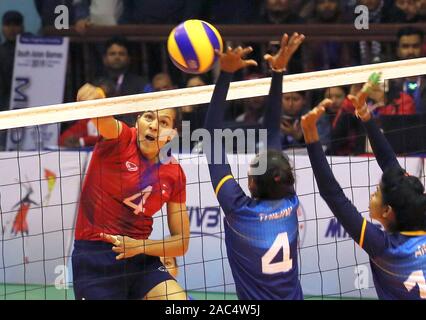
<point x="200" y="95"/>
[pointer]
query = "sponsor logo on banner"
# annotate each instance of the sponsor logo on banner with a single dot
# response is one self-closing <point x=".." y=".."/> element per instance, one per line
<point x="38" y="80"/>
<point x="335" y="230"/>
<point x="205" y="221"/>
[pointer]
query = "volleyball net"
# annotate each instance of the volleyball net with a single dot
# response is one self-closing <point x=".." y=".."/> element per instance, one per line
<point x="40" y="184"/>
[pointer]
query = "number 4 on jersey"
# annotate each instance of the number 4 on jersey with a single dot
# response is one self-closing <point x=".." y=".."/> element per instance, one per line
<point x="281" y="242"/>
<point x="417" y="278"/>
<point x="144" y="195"/>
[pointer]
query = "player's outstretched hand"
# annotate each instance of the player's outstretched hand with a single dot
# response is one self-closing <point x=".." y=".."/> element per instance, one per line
<point x="126" y="247"/>
<point x="309" y="121"/>
<point x="233" y="59"/>
<point x="90" y="92"/>
<point x="279" y="61"/>
<point x="370" y="89"/>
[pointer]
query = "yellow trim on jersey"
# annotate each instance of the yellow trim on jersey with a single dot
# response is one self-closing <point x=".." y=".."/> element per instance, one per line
<point x="361" y="238"/>
<point x="222" y="182"/>
<point x="413" y="233"/>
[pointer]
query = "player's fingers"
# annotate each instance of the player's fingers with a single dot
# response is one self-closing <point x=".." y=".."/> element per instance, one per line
<point x="246" y="51"/>
<point x="326" y="103"/>
<point x="267" y="57"/>
<point x="218" y="53"/>
<point x="118" y="249"/>
<point x="108" y="238"/>
<point x="284" y="40"/>
<point x="319" y="111"/>
<point x="353" y="99"/>
<point x="121" y="256"/>
<point x="252" y="63"/>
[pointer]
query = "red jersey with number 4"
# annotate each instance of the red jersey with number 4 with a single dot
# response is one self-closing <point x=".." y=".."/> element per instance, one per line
<point x="122" y="190"/>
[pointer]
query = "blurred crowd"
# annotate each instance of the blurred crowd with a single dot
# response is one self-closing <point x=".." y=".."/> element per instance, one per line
<point x="340" y="131"/>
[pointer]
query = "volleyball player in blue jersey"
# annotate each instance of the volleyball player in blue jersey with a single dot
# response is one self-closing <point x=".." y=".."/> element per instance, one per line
<point x="398" y="254"/>
<point x="261" y="231"/>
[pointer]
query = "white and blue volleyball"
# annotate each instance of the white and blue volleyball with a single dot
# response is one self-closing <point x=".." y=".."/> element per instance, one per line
<point x="192" y="44"/>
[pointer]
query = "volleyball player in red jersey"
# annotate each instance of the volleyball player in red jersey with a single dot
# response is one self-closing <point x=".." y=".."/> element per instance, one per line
<point x="126" y="184"/>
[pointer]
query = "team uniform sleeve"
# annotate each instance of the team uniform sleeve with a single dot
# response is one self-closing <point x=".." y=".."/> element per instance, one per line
<point x="111" y="150"/>
<point x="272" y="118"/>
<point x="369" y="237"/>
<point x="179" y="192"/>
<point x="228" y="191"/>
<point x="383" y="151"/>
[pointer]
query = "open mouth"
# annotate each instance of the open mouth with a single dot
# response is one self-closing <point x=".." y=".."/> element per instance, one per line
<point x="150" y="138"/>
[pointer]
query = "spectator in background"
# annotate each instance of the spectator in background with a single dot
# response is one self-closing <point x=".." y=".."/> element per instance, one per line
<point x="233" y="12"/>
<point x="160" y="12"/>
<point x="408" y="10"/>
<point x="327" y="55"/>
<point x="421" y="9"/>
<point x="97" y="12"/>
<point x="81" y="134"/>
<point x="116" y="61"/>
<point x="253" y="107"/>
<point x="328" y="121"/>
<point x="280" y="12"/>
<point x="409" y="46"/>
<point x="294" y="107"/>
<point x="195" y="114"/>
<point x="46" y="10"/>
<point x="347" y="134"/>
<point x="12" y="26"/>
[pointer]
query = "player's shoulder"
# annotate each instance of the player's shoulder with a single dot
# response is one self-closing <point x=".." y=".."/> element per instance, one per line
<point x="171" y="165"/>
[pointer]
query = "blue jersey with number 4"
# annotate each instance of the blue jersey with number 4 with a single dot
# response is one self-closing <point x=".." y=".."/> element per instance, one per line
<point x="260" y="235"/>
<point x="261" y="241"/>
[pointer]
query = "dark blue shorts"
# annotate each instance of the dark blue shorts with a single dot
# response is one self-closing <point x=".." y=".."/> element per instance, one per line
<point x="98" y="275"/>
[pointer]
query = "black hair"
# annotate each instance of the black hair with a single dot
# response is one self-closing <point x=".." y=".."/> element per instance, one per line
<point x="177" y="123"/>
<point x="118" y="40"/>
<point x="278" y="180"/>
<point x="405" y="194"/>
<point x="409" y="31"/>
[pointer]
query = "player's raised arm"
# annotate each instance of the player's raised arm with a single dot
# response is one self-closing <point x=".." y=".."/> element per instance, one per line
<point x="108" y="127"/>
<point x="230" y="61"/>
<point x="368" y="236"/>
<point x="278" y="63"/>
<point x="382" y="149"/>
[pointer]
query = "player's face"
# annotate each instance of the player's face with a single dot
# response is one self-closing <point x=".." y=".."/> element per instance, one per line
<point x="155" y="129"/>
<point x="293" y="103"/>
<point x="377" y="208"/>
<point x="410" y="47"/>
<point x="116" y="57"/>
<point x="337" y="95"/>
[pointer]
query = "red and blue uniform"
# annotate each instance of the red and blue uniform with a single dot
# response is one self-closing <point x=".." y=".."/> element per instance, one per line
<point x="121" y="193"/>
